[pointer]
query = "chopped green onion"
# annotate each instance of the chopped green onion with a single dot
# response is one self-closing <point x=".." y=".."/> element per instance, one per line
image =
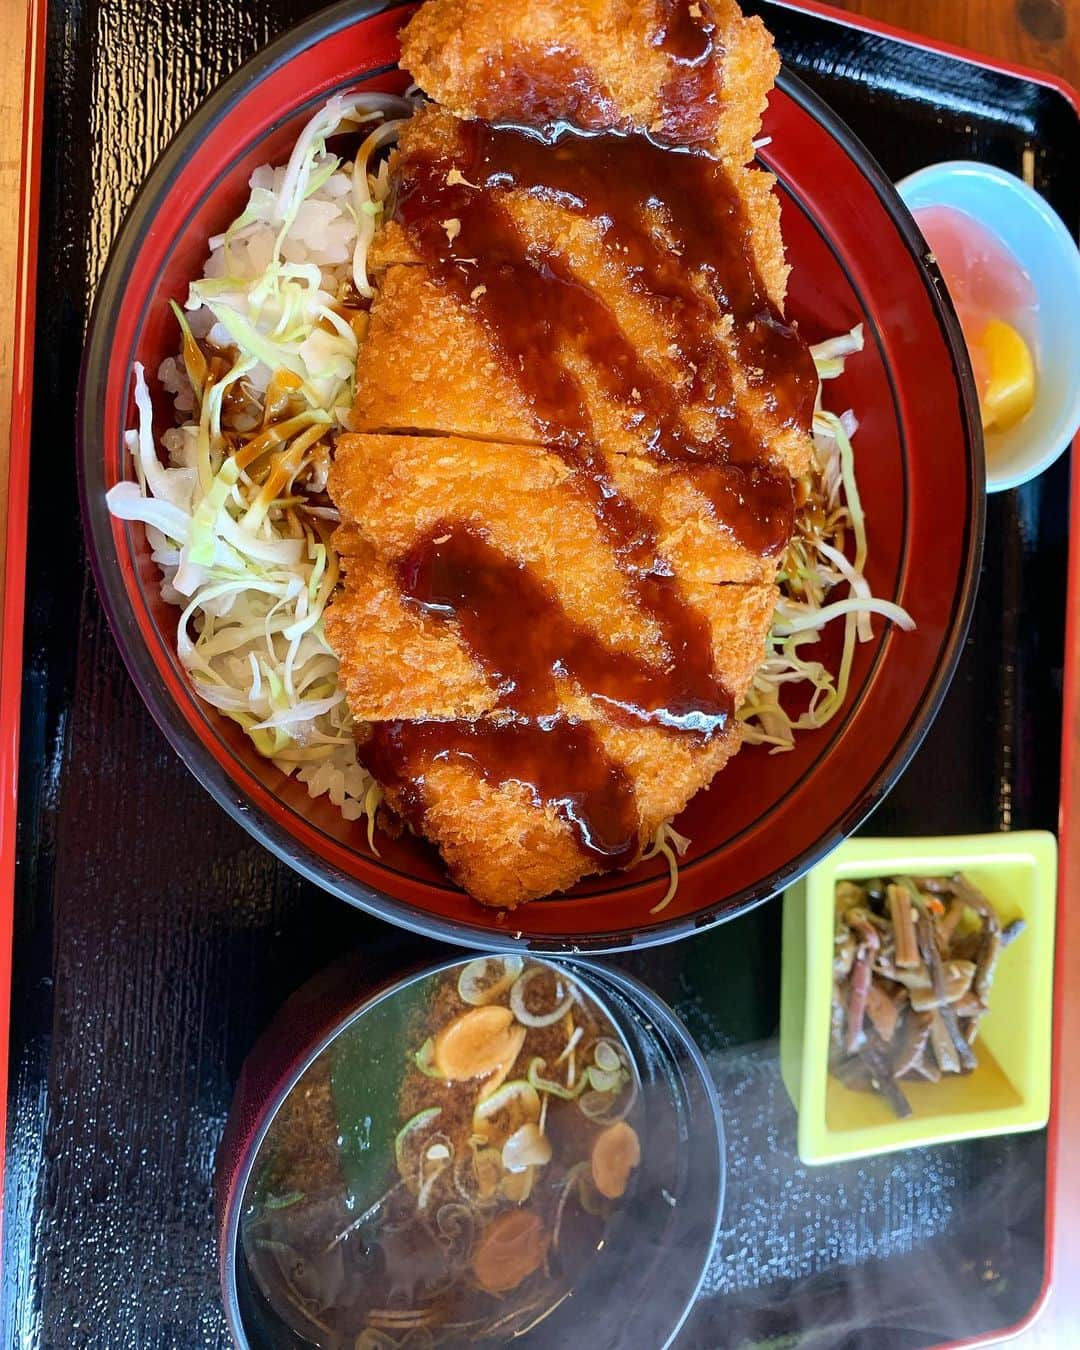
<point x="412" y="1127"/>
<point x="548" y="1085"/>
<point x="424" y="1059"/>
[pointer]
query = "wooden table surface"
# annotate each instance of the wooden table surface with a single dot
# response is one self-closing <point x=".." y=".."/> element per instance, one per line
<point x="14" y="26"/>
<point x="1041" y="33"/>
<point x="1044" y="34"/>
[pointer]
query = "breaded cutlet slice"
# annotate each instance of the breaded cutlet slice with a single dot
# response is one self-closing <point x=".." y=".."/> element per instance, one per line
<point x="600" y="64"/>
<point x="453" y="384"/>
<point x="397" y="662"/>
<point x="430" y="364"/>
<point x="504" y="849"/>
<point x="461" y="378"/>
<point x="433" y="133"/>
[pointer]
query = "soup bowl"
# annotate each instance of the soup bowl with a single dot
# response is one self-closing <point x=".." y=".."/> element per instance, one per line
<point x="310" y="1104"/>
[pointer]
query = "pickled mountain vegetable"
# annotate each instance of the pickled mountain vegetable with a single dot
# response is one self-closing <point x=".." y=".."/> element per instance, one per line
<point x="913" y="966"/>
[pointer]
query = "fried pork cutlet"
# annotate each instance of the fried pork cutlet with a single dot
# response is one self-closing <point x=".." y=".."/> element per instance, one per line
<point x="532" y="541"/>
<point x="687" y="73"/>
<point x="680" y="349"/>
<point x="411" y="663"/>
<point x="579" y="413"/>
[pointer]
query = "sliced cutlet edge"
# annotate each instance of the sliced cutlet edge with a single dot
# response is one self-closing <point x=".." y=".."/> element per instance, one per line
<point x="429" y="365"/>
<point x="603" y="67"/>
<point x="398" y="662"/>
<point x="504" y="848"/>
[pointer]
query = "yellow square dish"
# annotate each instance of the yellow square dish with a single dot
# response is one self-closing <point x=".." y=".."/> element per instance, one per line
<point x="1010" y="1089"/>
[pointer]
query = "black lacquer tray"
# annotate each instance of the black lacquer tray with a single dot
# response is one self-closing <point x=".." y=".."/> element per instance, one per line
<point x="154" y="939"/>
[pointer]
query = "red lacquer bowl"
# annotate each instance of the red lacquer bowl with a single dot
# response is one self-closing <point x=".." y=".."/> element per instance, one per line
<point x="856" y="257"/>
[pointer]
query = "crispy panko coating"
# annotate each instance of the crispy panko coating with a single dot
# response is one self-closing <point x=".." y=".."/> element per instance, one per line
<point x="488" y="426"/>
<point x="455" y="383"/>
<point x="599" y="64"/>
<point x="504" y="848"/>
<point x="434" y="133"/>
<point x="397" y="662"/>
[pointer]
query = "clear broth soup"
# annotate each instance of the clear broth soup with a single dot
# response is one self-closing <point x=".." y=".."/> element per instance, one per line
<point x="451" y="1167"/>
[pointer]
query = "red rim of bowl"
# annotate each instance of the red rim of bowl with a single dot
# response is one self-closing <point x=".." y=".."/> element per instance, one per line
<point x="223" y="775"/>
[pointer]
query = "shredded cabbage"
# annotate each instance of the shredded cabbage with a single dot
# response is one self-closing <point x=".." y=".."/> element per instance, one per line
<point x="233" y="510"/>
<point x="673" y="846"/>
<point x="815" y="564"/>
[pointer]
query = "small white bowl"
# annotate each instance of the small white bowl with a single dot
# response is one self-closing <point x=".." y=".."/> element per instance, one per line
<point x="1032" y="231"/>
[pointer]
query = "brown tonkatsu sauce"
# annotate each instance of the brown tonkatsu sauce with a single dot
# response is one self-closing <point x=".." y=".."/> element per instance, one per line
<point x="688" y="34"/>
<point x="560" y="763"/>
<point x="686" y="31"/>
<point x="529" y="645"/>
<point x="543" y="86"/>
<point x="675" y="224"/>
<point x="522" y="636"/>
<point x="537" y="85"/>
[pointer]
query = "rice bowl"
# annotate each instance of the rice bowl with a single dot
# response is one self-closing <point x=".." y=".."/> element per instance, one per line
<point x="280" y="310"/>
<point x="769" y="823"/>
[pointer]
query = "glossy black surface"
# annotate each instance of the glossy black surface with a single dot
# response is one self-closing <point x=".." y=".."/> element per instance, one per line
<point x="154" y="939"/>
